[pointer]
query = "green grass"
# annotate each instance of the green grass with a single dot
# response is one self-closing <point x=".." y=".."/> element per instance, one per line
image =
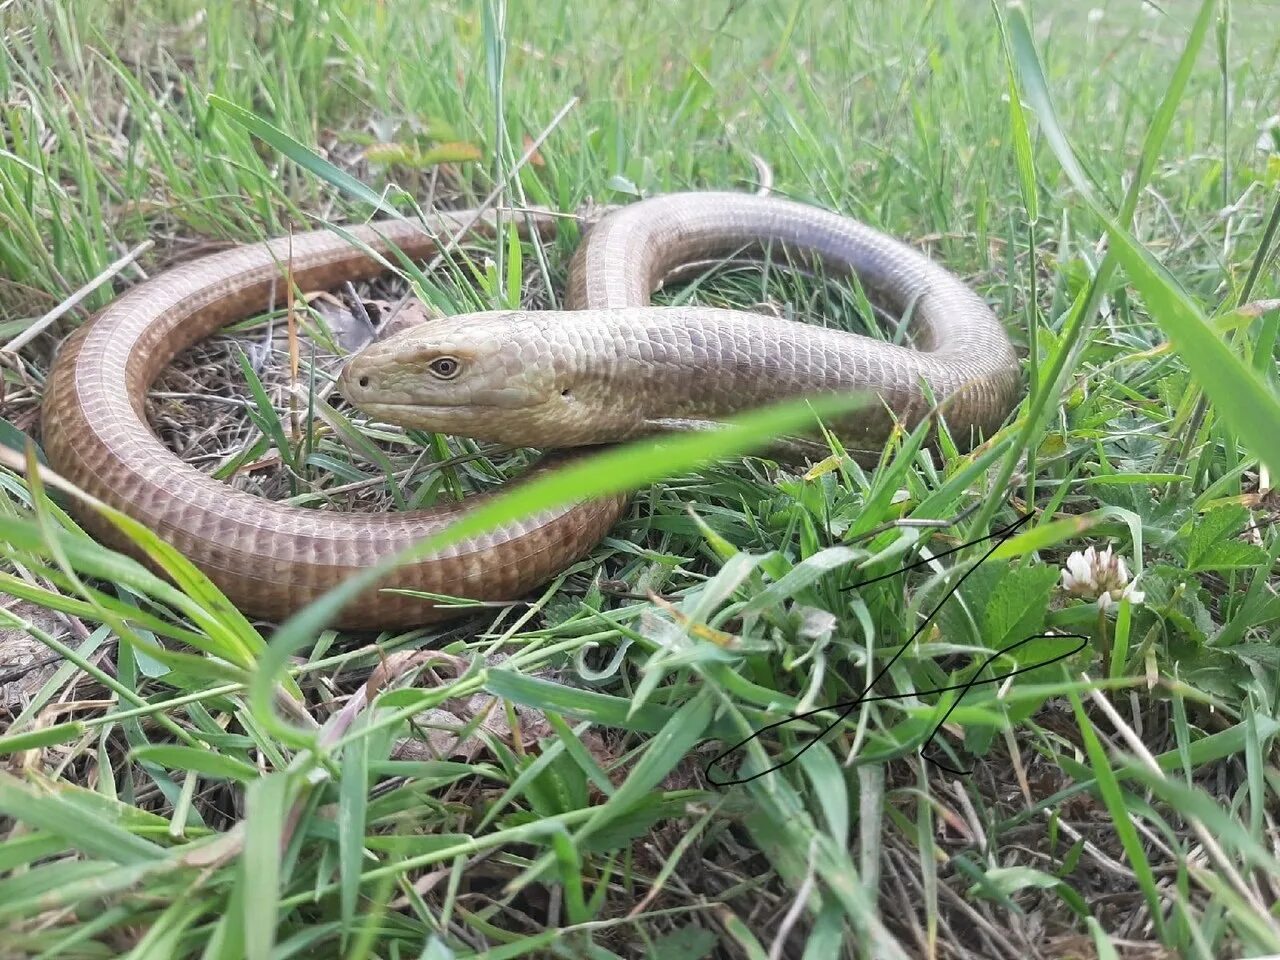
<point x="1105" y="181"/>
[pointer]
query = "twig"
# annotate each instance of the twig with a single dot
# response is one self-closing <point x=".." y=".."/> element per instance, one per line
<point x="798" y="905"/>
<point x="358" y="310"/>
<point x="502" y="184"/>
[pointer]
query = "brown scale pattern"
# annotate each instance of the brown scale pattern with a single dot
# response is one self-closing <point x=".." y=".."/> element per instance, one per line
<point x="270" y="559"/>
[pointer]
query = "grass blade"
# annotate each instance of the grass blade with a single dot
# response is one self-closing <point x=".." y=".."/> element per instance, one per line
<point x="51" y="812"/>
<point x="307" y="159"/>
<point x="1242" y="398"/>
<point x="614" y="471"/>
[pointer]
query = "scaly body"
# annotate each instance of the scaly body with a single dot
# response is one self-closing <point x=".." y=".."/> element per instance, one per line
<point x="608" y="368"/>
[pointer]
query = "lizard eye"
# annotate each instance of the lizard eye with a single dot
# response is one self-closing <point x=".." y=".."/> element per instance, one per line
<point x="446" y="368"/>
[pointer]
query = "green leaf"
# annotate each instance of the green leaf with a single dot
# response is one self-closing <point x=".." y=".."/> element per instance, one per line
<point x="620" y="184"/>
<point x="625" y="826"/>
<point x="1036" y="91"/>
<point x="1212" y="543"/>
<point x="24" y="850"/>
<point x="1117" y="804"/>
<point x="51" y="885"/>
<point x="304" y="157"/>
<point x="207" y="763"/>
<point x="1242" y="398"/>
<point x="437" y="949"/>
<point x="267" y="419"/>
<point x="353" y="805"/>
<point x="1230" y="556"/>
<point x="1022" y="149"/>
<point x="352" y="436"/>
<point x="44" y="737"/>
<point x="831" y="790"/>
<point x="667" y="748"/>
<point x="16" y="440"/>
<point x="1009" y="880"/>
<point x="515" y="269"/>
<point x="50" y="811"/>
<point x="1046" y="535"/>
<point x="1016" y="610"/>
<point x="227" y="633"/>
<point x="412" y="156"/>
<point x="1194" y="803"/>
<point x="599" y="708"/>
<point x="684" y="943"/>
<point x="266" y="799"/>
<point x="806" y="573"/>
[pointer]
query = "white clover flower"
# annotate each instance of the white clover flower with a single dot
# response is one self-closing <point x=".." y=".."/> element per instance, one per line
<point x="1096" y="14"/>
<point x="1099" y="575"/>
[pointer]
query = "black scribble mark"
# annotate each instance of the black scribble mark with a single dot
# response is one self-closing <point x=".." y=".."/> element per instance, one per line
<point x="847" y="708"/>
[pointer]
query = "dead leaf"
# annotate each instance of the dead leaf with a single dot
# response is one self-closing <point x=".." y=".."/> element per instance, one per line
<point x="699" y="630"/>
<point x="407" y="155"/>
<point x="25" y="662"/>
<point x="350" y="330"/>
<point x="535" y="158"/>
<point x="412" y="313"/>
<point x="458" y="151"/>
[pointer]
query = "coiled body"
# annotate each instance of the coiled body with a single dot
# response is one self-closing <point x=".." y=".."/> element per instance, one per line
<point x="638" y="368"/>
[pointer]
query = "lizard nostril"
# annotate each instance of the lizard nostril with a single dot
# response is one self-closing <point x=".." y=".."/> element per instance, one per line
<point x="364" y="381"/>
